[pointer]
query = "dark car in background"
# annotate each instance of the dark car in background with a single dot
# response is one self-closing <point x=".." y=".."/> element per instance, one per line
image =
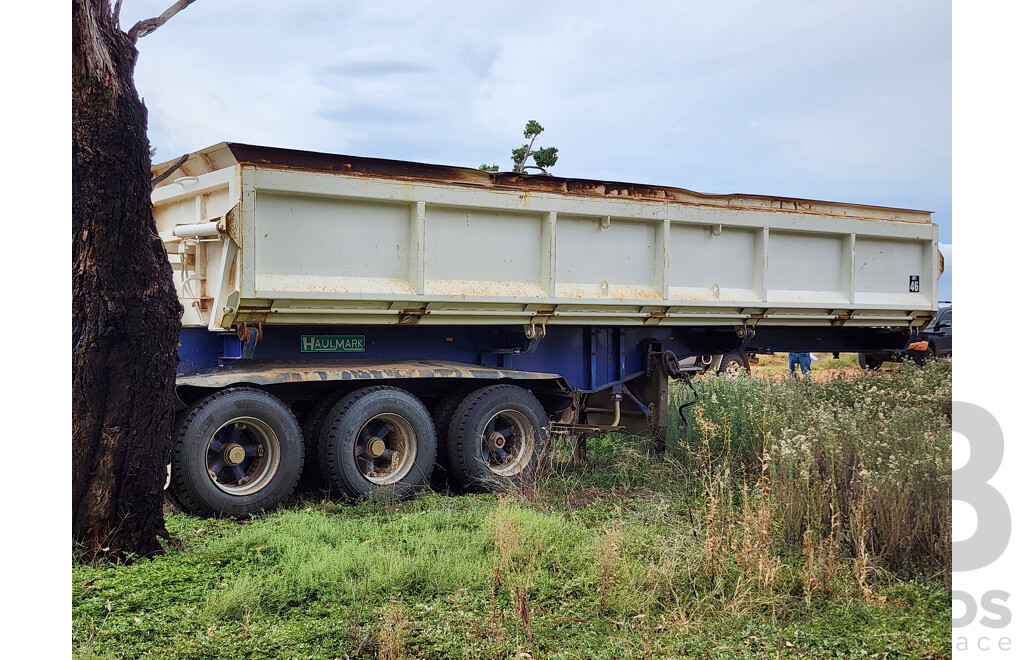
<point x="936" y="342"/>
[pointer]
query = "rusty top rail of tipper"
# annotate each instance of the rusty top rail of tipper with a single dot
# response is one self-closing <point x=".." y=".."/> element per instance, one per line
<point x="227" y="154"/>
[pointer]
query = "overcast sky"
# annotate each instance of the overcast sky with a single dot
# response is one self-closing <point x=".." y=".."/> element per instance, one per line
<point x="835" y="100"/>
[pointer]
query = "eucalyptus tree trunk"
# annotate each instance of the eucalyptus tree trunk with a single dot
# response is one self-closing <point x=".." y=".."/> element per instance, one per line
<point x="125" y="314"/>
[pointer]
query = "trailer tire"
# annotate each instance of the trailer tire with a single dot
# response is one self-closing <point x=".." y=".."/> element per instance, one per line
<point x="238" y="451"/>
<point x="312" y="428"/>
<point x="442" y="413"/>
<point x="921" y="357"/>
<point x="477" y="457"/>
<point x="379" y="422"/>
<point x="868" y="362"/>
<point x="733" y="365"/>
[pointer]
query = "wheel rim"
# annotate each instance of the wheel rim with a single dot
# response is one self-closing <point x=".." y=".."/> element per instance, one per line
<point x="733" y="369"/>
<point x="507" y="442"/>
<point x="243" y="455"/>
<point x="385" y="449"/>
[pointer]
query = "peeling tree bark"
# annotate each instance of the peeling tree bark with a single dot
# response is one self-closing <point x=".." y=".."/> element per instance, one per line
<point x="125" y="313"/>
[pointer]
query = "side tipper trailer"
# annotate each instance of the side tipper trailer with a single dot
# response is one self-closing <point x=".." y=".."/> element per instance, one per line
<point x="366" y="319"/>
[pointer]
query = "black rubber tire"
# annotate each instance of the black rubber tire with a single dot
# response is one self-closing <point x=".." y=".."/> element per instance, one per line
<point x="347" y="418"/>
<point x="921" y="357"/>
<point x="868" y="363"/>
<point x="312" y="428"/>
<point x="442" y="413"/>
<point x="466" y="437"/>
<point x="191" y="482"/>
<point x="733" y="358"/>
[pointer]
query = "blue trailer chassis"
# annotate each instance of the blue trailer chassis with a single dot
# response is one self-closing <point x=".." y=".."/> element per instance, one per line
<point x="590" y="359"/>
<point x="595" y="368"/>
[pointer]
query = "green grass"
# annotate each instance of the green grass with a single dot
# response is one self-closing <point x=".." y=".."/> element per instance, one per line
<point x="626" y="556"/>
<point x="866" y="458"/>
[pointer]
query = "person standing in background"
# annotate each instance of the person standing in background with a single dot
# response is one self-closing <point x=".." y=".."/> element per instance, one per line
<point x="804" y="360"/>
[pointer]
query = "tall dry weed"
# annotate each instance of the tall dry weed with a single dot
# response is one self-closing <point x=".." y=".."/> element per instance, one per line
<point x="819" y="571"/>
<point x="607" y="550"/>
<point x="393" y="637"/>
<point x="752" y="545"/>
<point x="512" y="571"/>
<point x="506" y="541"/>
<point x="880" y="441"/>
<point x="863" y="565"/>
<point x="716" y="517"/>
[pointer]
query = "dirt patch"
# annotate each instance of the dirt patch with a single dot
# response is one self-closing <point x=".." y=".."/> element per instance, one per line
<point x="817" y="375"/>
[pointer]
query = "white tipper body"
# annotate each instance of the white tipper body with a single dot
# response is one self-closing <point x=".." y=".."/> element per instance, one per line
<point x="261" y="235"/>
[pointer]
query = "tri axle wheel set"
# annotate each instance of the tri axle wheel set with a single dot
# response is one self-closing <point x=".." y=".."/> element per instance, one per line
<point x="241" y="450"/>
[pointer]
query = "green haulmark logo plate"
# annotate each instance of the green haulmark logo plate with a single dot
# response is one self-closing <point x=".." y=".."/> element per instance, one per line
<point x="333" y="343"/>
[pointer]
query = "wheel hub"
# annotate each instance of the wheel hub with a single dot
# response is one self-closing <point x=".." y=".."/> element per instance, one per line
<point x="234" y="454"/>
<point x="385" y="448"/>
<point x="495" y="441"/>
<point x="243" y="455"/>
<point x="375" y="447"/>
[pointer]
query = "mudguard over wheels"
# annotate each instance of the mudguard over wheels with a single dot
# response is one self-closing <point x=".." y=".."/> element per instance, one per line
<point x="378" y="442"/>
<point x="238" y="451"/>
<point x="497" y="435"/>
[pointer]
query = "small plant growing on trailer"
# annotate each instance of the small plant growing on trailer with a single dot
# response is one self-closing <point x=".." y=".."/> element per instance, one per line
<point x="542" y="157"/>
